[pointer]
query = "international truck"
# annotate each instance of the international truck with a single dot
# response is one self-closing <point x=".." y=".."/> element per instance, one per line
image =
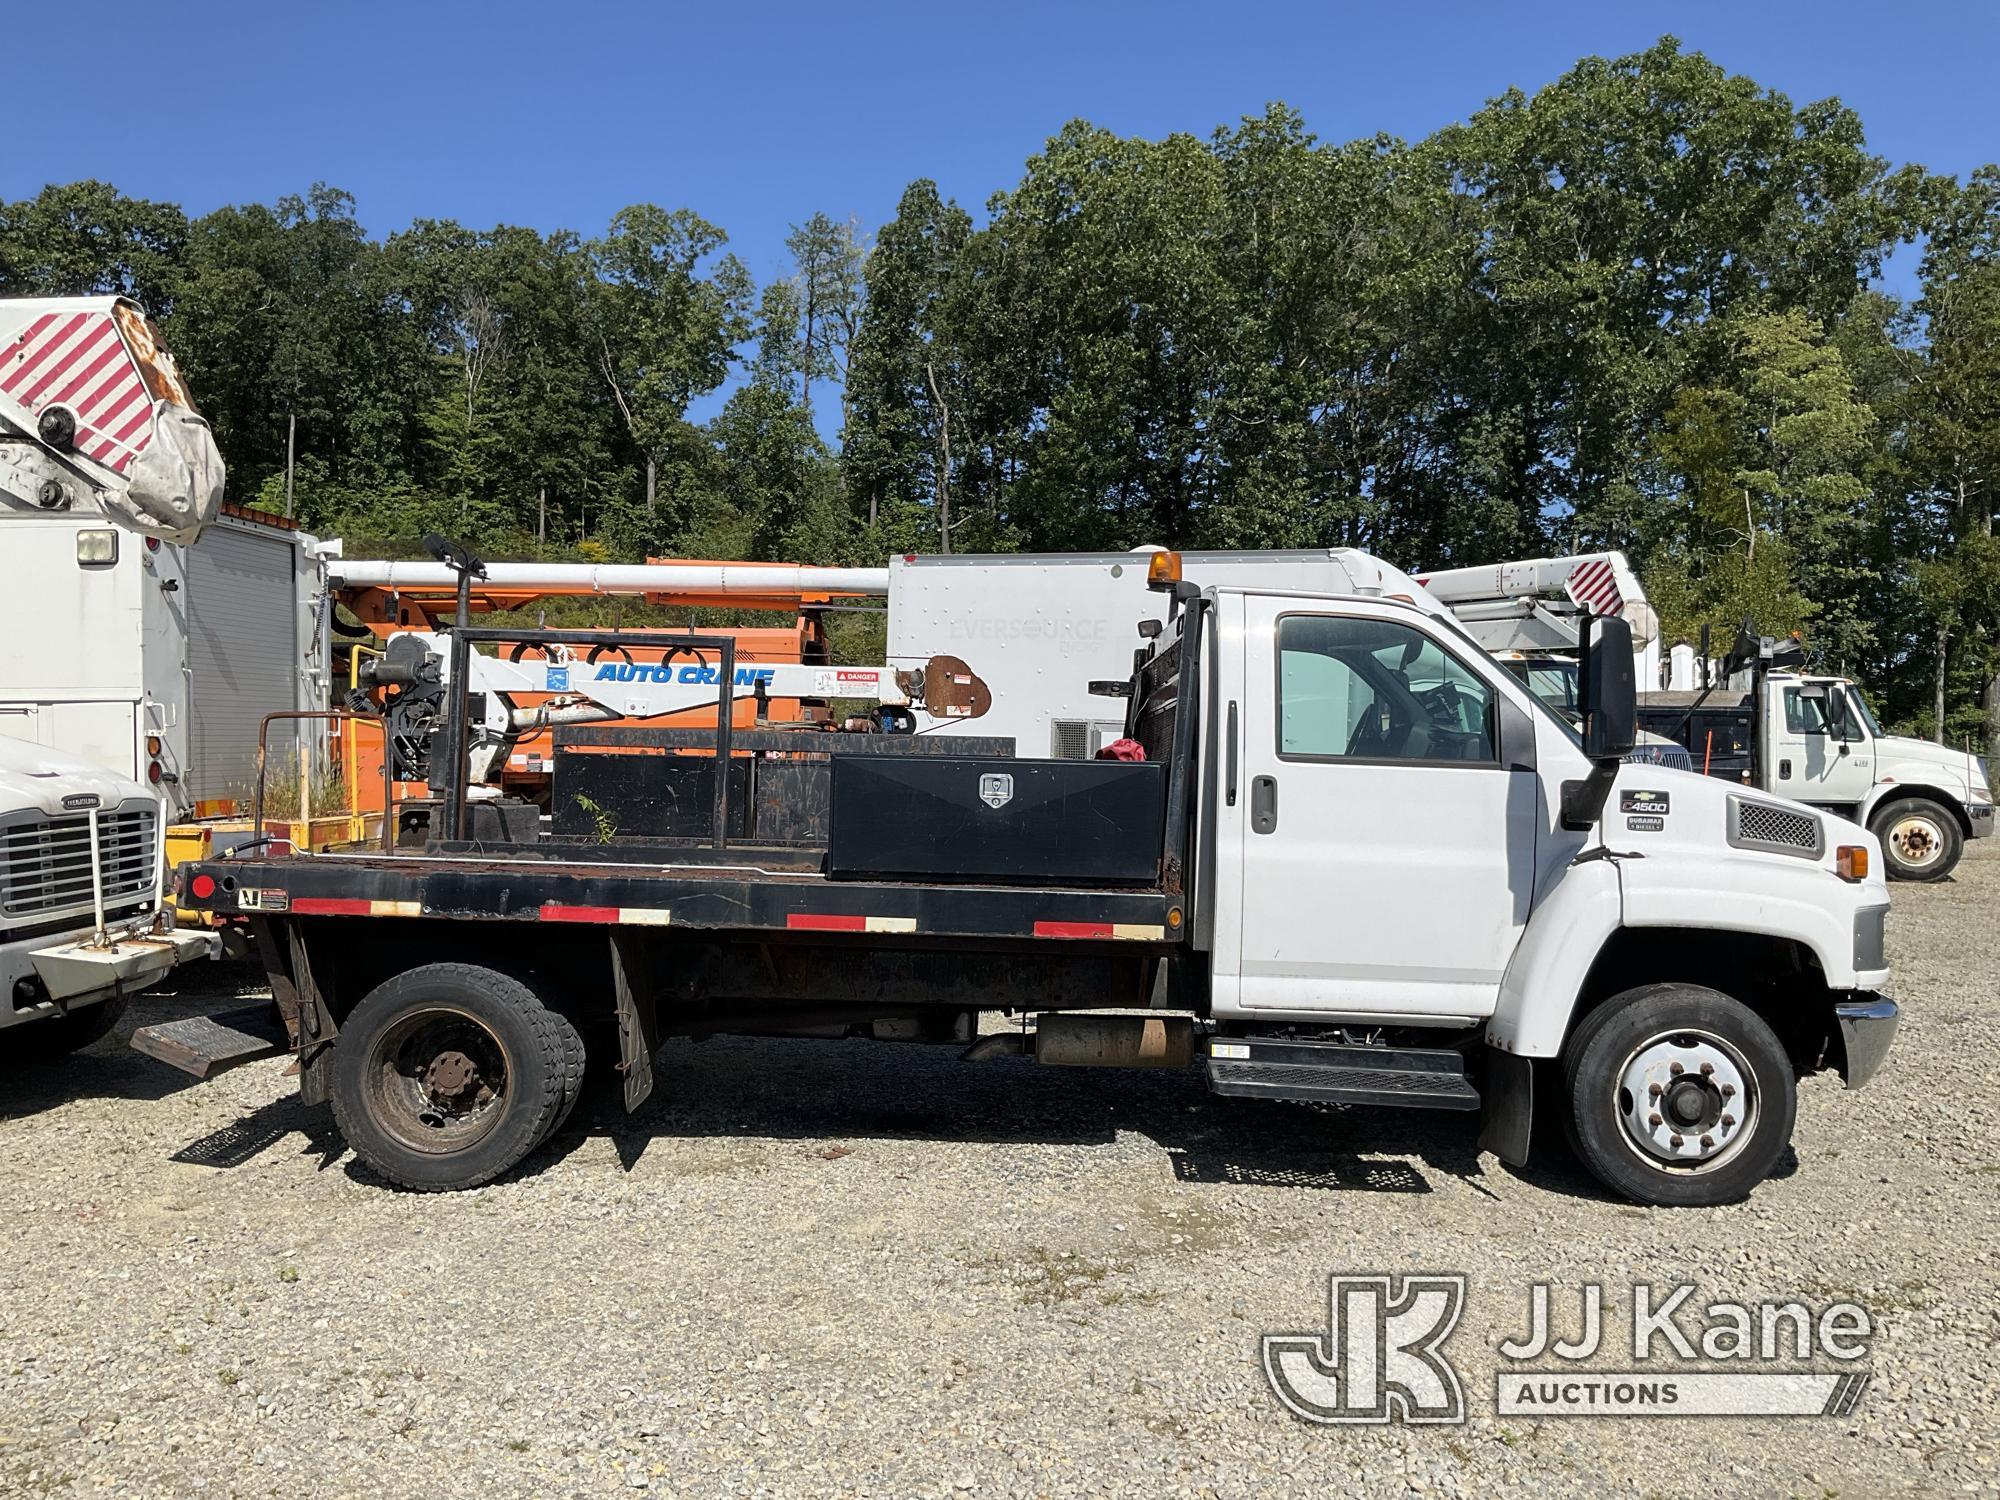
<point x="1764" y="721"/>
<point x="1351" y="860"/>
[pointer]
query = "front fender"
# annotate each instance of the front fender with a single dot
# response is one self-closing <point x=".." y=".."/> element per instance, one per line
<point x="1912" y="786"/>
<point x="1569" y="928"/>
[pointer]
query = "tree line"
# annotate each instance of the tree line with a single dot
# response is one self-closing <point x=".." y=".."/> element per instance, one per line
<point x="1638" y="308"/>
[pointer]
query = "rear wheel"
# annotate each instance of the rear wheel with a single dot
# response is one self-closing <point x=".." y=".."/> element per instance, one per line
<point x="1678" y="1095"/>
<point x="447" y="1075"/>
<point x="1920" y="838"/>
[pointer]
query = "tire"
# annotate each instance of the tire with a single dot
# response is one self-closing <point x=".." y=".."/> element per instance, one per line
<point x="447" y="1075"/>
<point x="1921" y="839"/>
<point x="58" y="1036"/>
<point x="1720" y="1068"/>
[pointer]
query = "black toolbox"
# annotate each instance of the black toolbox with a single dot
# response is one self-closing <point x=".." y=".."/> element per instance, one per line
<point x="971" y="818"/>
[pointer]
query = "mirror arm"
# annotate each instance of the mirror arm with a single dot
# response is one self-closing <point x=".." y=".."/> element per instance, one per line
<point x="1583" y="801"/>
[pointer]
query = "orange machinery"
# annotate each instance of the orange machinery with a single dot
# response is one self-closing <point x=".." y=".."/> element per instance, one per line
<point x="384" y="611"/>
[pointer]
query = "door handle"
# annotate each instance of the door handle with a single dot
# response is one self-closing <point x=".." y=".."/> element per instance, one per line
<point x="1263" y="804"/>
<point x="1230" y="754"/>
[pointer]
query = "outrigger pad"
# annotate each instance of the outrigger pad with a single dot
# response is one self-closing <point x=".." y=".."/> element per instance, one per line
<point x="207" y="1045"/>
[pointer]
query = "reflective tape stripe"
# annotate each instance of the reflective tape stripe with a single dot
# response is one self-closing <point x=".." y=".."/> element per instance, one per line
<point x="628" y="916"/>
<point x="331" y="906"/>
<point x="1138" y="932"/>
<point x="810" y="921"/>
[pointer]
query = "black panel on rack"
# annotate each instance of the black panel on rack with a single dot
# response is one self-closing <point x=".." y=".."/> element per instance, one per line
<point x="966" y="818"/>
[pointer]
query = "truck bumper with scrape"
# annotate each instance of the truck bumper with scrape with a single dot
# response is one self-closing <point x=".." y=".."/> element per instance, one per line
<point x="1867" y="1026"/>
<point x="77" y="970"/>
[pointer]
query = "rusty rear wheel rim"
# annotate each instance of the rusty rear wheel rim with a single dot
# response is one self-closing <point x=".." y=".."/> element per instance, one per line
<point x="438" y="1081"/>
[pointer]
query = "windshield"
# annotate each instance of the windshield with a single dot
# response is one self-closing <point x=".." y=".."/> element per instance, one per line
<point x="1521" y="667"/>
<point x="1861" y="707"/>
<point x="1553" y="681"/>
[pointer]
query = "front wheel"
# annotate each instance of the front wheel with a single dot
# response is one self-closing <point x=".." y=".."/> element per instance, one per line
<point x="449" y="1074"/>
<point x="1678" y="1095"/>
<point x="57" y="1036"/>
<point x="1920" y="839"/>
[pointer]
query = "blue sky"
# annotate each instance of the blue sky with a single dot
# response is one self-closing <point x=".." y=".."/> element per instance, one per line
<point x="755" y="116"/>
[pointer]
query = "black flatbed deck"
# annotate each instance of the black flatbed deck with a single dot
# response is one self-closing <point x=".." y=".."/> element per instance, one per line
<point x="696" y="895"/>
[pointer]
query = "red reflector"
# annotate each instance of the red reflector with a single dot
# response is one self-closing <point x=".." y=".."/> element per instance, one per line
<point x="819" y="922"/>
<point x="202" y="887"/>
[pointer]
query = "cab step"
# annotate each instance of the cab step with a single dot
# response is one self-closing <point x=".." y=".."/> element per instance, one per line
<point x="1333" y="1073"/>
<point x="207" y="1045"/>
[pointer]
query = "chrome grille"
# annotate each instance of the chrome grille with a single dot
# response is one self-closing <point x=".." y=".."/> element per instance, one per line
<point x="1781" y="830"/>
<point x="45" y="862"/>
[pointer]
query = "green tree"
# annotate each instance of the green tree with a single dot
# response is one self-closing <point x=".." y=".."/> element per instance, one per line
<point x="664" y="310"/>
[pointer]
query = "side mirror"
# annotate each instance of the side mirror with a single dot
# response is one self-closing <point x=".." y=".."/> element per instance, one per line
<point x="1609" y="704"/>
<point x="1610" y="699"/>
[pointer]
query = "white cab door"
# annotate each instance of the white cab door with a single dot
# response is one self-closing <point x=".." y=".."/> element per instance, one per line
<point x="1385" y="854"/>
<point x="1819" y="750"/>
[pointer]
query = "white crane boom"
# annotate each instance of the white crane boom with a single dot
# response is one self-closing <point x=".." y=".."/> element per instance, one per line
<point x="1537" y="604"/>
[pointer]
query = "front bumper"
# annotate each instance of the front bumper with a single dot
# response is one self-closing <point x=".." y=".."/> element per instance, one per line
<point x="1867" y="1026"/>
<point x="1980" y="816"/>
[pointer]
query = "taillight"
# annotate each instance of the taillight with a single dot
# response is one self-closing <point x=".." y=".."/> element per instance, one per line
<point x="1850" y="861"/>
<point x="202" y="887"/>
<point x="153" y="772"/>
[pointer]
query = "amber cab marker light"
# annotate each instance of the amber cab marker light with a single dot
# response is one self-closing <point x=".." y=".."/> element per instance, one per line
<point x="1851" y="862"/>
<point x="1163" y="570"/>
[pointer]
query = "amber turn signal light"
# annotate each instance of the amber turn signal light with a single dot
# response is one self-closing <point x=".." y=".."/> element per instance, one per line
<point x="1851" y="862"/>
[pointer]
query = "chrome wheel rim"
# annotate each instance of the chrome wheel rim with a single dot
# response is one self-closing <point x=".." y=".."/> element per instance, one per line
<point x="1687" y="1101"/>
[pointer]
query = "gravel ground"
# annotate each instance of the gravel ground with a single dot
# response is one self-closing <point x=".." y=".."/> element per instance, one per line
<point x="846" y="1269"/>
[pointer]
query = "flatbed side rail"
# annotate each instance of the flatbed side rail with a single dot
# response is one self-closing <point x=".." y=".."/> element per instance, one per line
<point x="708" y="896"/>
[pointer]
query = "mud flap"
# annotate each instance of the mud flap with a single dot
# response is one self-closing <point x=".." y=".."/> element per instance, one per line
<point x="638" y="1021"/>
<point x="1507" y="1106"/>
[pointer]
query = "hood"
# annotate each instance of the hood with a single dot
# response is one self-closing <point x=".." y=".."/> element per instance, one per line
<point x="33" y="779"/>
<point x="1901" y="758"/>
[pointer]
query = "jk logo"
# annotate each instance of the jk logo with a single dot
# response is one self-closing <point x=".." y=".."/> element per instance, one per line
<point x="1380" y="1359"/>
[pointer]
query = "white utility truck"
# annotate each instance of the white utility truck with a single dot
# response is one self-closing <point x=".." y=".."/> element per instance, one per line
<point x="1358" y="863"/>
<point x="152" y="626"/>
<point x="104" y="467"/>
